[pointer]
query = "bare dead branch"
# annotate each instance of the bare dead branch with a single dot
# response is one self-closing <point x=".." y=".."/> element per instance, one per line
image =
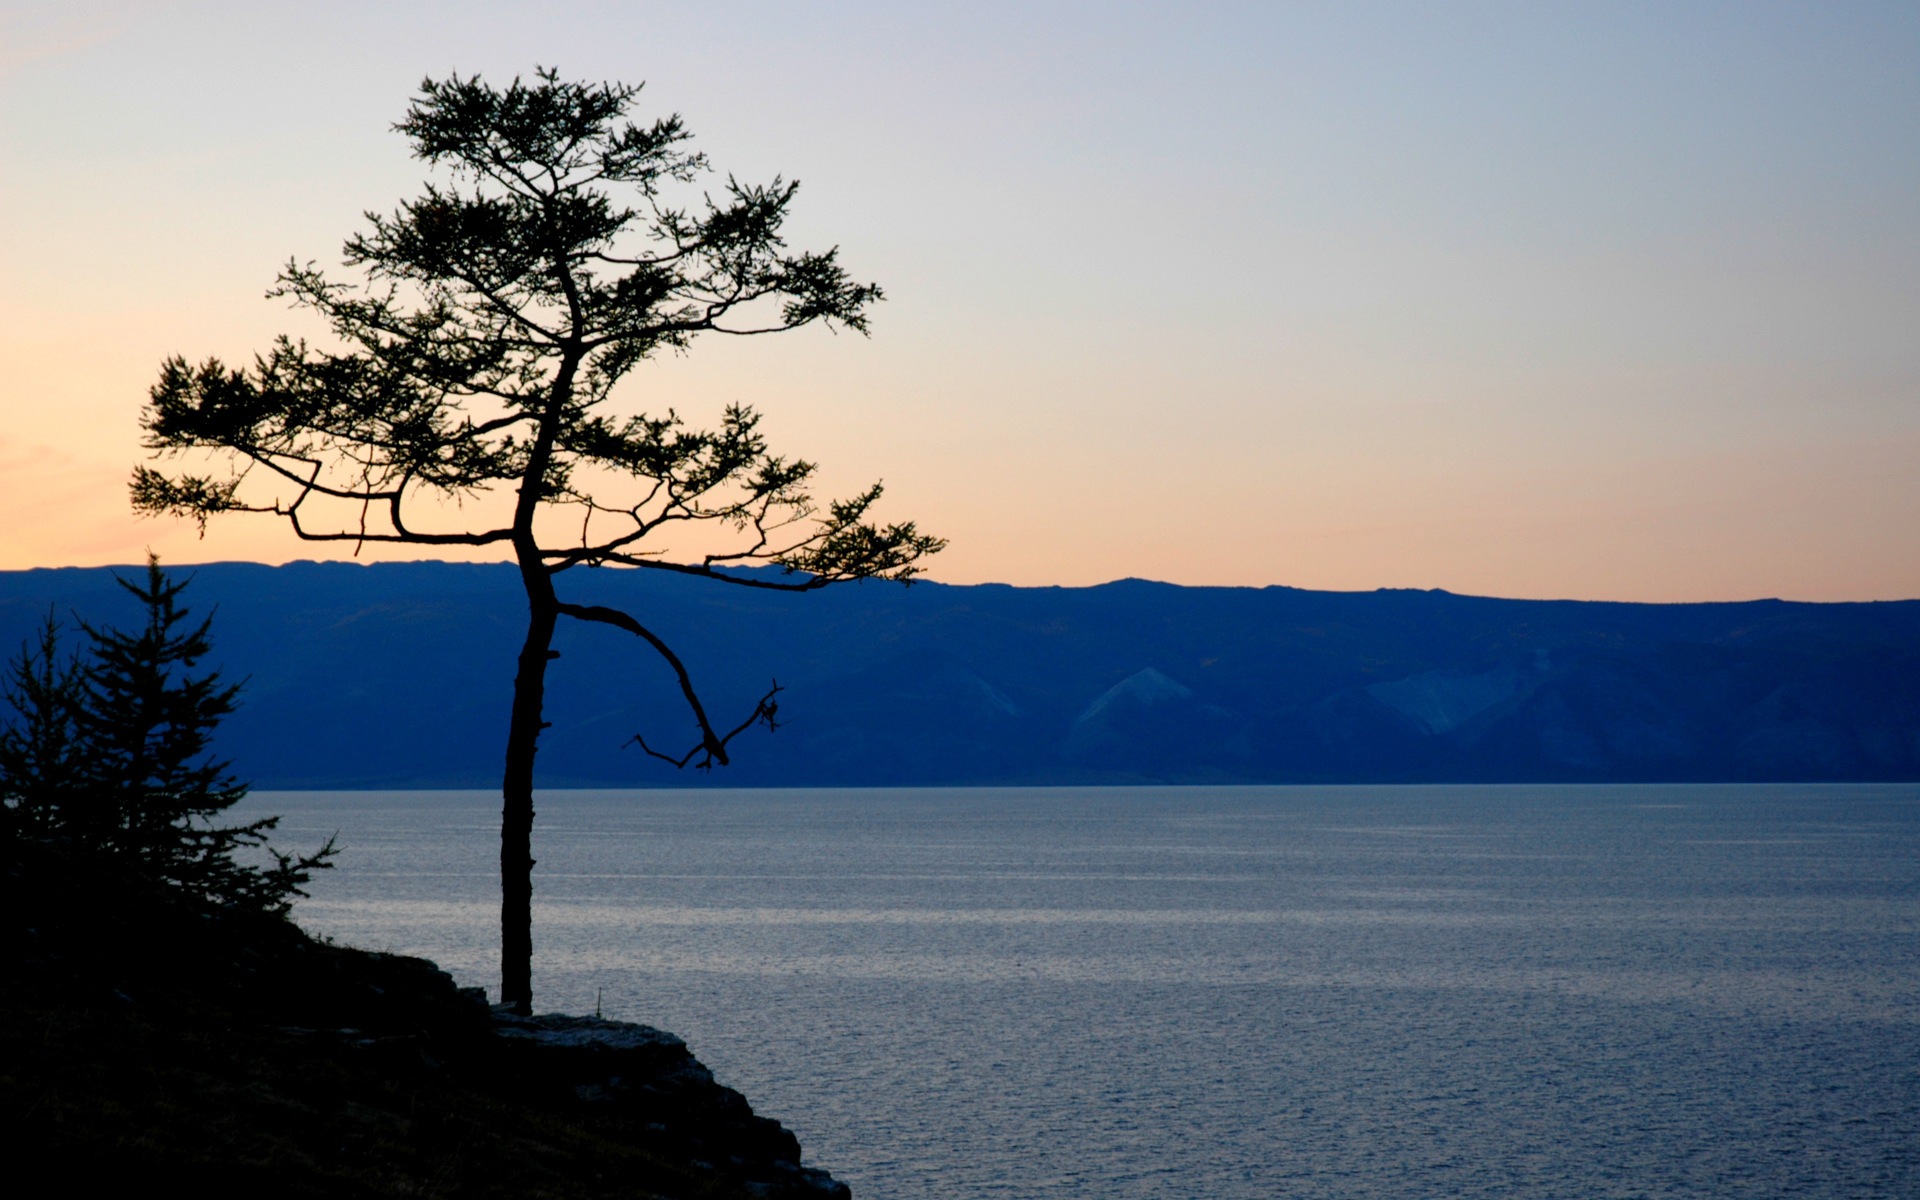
<point x="765" y="710"/>
<point x="712" y="745"/>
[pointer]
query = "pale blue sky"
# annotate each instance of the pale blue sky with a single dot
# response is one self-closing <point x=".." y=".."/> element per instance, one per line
<point x="1613" y="300"/>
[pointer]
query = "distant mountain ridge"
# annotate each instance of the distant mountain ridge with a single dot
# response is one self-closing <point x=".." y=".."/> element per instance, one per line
<point x="395" y="675"/>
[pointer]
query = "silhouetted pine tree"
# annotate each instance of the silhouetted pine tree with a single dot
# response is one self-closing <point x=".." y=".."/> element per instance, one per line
<point x="42" y="756"/>
<point x="113" y="754"/>
<point x="480" y="354"/>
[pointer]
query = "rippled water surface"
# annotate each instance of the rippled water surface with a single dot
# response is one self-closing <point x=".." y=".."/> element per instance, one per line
<point x="1225" y="992"/>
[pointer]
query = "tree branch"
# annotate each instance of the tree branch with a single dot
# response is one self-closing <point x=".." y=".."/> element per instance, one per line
<point x="712" y="745"/>
<point x="764" y="710"/>
<point x="809" y="584"/>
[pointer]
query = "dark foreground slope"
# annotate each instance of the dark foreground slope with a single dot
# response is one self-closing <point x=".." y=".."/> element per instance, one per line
<point x="398" y="675"/>
<point x="151" y="1047"/>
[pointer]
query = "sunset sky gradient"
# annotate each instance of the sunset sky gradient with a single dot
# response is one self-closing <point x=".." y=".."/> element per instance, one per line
<point x="1606" y="300"/>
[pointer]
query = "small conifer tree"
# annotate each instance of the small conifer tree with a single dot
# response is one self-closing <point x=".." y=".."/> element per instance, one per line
<point x="42" y="756"/>
<point x="113" y="753"/>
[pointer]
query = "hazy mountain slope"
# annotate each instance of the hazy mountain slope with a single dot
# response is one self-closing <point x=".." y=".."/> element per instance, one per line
<point x="399" y="674"/>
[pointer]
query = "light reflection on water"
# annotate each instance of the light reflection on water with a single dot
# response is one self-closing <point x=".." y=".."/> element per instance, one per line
<point x="1226" y="992"/>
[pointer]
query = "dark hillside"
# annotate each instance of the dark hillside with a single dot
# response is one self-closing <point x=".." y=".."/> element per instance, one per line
<point x="153" y="1046"/>
<point x="397" y="675"/>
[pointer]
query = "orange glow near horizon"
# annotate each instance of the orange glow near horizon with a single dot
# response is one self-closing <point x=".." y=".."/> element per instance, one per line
<point x="1313" y="298"/>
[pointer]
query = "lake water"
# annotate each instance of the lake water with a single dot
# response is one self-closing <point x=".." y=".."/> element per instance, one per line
<point x="1224" y="992"/>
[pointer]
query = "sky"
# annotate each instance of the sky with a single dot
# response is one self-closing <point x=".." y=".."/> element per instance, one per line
<point x="1581" y="300"/>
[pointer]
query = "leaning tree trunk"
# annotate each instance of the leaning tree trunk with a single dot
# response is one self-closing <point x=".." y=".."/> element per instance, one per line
<point x="529" y="698"/>
<point x="516" y="814"/>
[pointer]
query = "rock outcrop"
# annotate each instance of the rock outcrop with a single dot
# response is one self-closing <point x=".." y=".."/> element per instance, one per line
<point x="652" y="1078"/>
